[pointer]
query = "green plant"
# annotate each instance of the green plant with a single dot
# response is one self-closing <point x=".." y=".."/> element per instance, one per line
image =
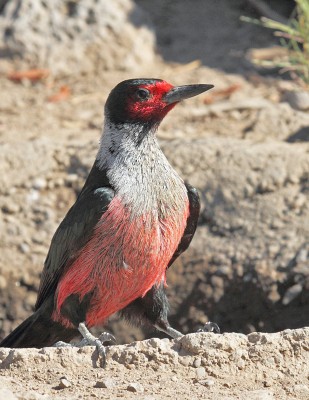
<point x="294" y="37"/>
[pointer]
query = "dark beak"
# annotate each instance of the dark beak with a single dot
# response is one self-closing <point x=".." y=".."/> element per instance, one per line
<point x="179" y="93"/>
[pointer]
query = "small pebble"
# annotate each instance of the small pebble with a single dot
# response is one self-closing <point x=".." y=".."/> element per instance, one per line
<point x="207" y="382"/>
<point x="297" y="100"/>
<point x="200" y="373"/>
<point x="304" y="389"/>
<point x="33" y="196"/>
<point x="291" y="293"/>
<point x="302" y="255"/>
<point x="185" y="361"/>
<point x="197" y="363"/>
<point x="105" y="383"/>
<point x="11" y="208"/>
<point x="39" y="183"/>
<point x="135" y="387"/>
<point x="260" y="394"/>
<point x="71" y="178"/>
<point x="64" y="383"/>
<point x="254" y="337"/>
<point x="24" y="248"/>
<point x="6" y="393"/>
<point x="3" y="282"/>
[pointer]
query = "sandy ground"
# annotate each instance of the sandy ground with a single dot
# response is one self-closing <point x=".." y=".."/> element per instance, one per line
<point x="197" y="366"/>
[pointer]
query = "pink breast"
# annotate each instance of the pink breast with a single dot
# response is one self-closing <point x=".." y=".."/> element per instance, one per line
<point x="124" y="258"/>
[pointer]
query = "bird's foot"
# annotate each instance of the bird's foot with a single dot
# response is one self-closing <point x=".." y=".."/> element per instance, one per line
<point x="165" y="327"/>
<point x="62" y="344"/>
<point x="210" y="327"/>
<point x="90" y="340"/>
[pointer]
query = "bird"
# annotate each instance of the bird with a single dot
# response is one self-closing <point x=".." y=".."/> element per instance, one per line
<point x="133" y="217"/>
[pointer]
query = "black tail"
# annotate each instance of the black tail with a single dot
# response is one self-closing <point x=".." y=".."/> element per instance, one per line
<point x="39" y="330"/>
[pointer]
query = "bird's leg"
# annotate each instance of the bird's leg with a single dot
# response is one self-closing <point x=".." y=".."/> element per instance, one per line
<point x="164" y="326"/>
<point x="90" y="340"/>
<point x="153" y="309"/>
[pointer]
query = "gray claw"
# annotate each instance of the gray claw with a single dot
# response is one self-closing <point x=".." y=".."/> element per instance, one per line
<point x="102" y="352"/>
<point x="99" y="343"/>
<point x="210" y="327"/>
<point x="89" y="339"/>
<point x="61" y="344"/>
<point x="107" y="337"/>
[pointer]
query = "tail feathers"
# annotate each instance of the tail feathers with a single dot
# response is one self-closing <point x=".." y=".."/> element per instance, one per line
<point x="39" y="330"/>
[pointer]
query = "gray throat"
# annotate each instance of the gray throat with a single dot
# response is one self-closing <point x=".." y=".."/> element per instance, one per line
<point x="139" y="171"/>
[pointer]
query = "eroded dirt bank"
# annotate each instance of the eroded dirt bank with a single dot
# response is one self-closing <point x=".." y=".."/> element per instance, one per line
<point x="197" y="366"/>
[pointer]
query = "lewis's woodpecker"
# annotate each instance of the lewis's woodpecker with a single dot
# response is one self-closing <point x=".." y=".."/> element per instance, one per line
<point x="132" y="219"/>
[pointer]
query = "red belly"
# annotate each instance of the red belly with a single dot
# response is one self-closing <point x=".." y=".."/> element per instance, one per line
<point x="124" y="258"/>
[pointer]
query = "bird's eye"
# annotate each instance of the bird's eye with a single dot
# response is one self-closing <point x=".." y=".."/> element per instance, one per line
<point x="143" y="94"/>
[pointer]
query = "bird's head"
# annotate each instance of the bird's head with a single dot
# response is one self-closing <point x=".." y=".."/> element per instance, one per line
<point x="133" y="111"/>
<point x="147" y="101"/>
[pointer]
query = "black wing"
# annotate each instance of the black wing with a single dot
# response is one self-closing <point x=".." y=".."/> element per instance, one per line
<point x="73" y="233"/>
<point x="194" y="211"/>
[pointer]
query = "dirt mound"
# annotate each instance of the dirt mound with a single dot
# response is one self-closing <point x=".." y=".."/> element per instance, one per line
<point x="208" y="366"/>
<point x="76" y="36"/>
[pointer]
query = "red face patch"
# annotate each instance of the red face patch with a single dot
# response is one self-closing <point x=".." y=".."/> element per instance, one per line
<point x="146" y="102"/>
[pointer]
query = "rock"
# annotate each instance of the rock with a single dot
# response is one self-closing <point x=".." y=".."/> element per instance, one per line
<point x="291" y="293"/>
<point x="39" y="184"/>
<point x="64" y="383"/>
<point x="10" y="207"/>
<point x="208" y="382"/>
<point x="3" y="282"/>
<point x="257" y="337"/>
<point x="107" y="383"/>
<point x="22" y="161"/>
<point x="185" y="361"/>
<point x="200" y="373"/>
<point x="148" y="398"/>
<point x="259" y="395"/>
<point x="297" y="100"/>
<point x="278" y="121"/>
<point x="7" y="394"/>
<point x="81" y="36"/>
<point x="197" y="362"/>
<point x="34" y="396"/>
<point x="135" y="387"/>
<point x="301" y="390"/>
<point x="24" y="248"/>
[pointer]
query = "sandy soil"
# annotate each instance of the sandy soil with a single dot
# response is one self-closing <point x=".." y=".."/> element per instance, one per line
<point x="197" y="366"/>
